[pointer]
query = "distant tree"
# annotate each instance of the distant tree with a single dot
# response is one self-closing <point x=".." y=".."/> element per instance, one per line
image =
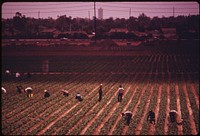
<point x="144" y="22"/>
<point x="132" y="24"/>
<point x="19" y="21"/>
<point x="62" y="23"/>
<point x="109" y="23"/>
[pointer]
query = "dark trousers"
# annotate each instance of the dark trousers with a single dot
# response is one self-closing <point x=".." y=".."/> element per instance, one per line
<point x="65" y="94"/>
<point x="79" y="98"/>
<point x="128" y="118"/>
<point x="100" y="96"/>
<point x="119" y="97"/>
<point x="19" y="90"/>
<point x="152" y="120"/>
<point x="29" y="92"/>
<point x="172" y="116"/>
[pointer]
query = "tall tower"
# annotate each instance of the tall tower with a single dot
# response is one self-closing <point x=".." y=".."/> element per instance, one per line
<point x="100" y="13"/>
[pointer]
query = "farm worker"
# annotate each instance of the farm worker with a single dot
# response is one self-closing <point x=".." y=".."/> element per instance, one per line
<point x="175" y="117"/>
<point x="65" y="92"/>
<point x="19" y="89"/>
<point x="28" y="75"/>
<point x="46" y="94"/>
<point x="17" y="75"/>
<point x="100" y="92"/>
<point x="120" y="93"/>
<point x="151" y="117"/>
<point x="29" y="91"/>
<point x="79" y="97"/>
<point x="7" y="72"/>
<point x="3" y="89"/>
<point x="127" y="116"/>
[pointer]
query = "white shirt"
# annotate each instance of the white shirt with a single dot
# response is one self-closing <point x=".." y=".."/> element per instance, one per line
<point x="78" y="95"/>
<point x="7" y="72"/>
<point x="17" y="74"/>
<point x="3" y="89"/>
<point x="120" y="90"/>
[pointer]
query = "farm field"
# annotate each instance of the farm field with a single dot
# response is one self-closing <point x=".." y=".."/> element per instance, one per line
<point x="160" y="78"/>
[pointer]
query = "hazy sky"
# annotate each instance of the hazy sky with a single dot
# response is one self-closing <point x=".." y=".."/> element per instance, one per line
<point x="110" y="9"/>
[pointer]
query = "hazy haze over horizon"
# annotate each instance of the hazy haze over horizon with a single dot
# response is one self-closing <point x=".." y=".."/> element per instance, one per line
<point x="110" y="9"/>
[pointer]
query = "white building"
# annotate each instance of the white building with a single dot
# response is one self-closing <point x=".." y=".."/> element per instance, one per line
<point x="100" y="13"/>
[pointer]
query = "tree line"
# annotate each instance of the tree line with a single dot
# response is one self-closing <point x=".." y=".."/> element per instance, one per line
<point x="21" y="26"/>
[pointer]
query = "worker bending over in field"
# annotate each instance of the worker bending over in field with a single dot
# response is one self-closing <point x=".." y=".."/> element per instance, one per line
<point x="17" y="75"/>
<point x="151" y="117"/>
<point x="65" y="92"/>
<point x="3" y="89"/>
<point x="19" y="89"/>
<point x="175" y="117"/>
<point x="127" y="116"/>
<point x="100" y="92"/>
<point x="79" y="97"/>
<point x="8" y="73"/>
<point x="29" y="91"/>
<point x="46" y="94"/>
<point x="120" y="93"/>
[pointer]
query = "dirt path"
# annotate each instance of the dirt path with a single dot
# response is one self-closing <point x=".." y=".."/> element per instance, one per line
<point x="167" y="111"/>
<point x="102" y="109"/>
<point x="62" y="115"/>
<point x="30" y="107"/>
<point x="180" y="127"/>
<point x="88" y="113"/>
<point x="191" y="118"/>
<point x="157" y="107"/>
<point x="51" y="115"/>
<point x="139" y="126"/>
<point x="98" y="129"/>
<point x="196" y="96"/>
<point x="133" y="111"/>
<point x="119" y="117"/>
<point x="41" y="114"/>
<point x="152" y="127"/>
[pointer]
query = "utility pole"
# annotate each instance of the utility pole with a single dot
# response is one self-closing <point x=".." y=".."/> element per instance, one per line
<point x="173" y="11"/>
<point x="89" y="14"/>
<point x="130" y="13"/>
<point x="95" y="22"/>
<point x="38" y="14"/>
<point x="70" y="27"/>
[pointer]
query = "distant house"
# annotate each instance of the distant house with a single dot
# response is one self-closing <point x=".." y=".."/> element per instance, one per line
<point x="73" y="35"/>
<point x="155" y="33"/>
<point x="79" y="35"/>
<point x="118" y="33"/>
<point x="49" y="33"/>
<point x="118" y="30"/>
<point x="139" y="34"/>
<point x="169" y="33"/>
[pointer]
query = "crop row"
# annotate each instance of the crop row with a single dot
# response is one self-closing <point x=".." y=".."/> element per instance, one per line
<point x="49" y="111"/>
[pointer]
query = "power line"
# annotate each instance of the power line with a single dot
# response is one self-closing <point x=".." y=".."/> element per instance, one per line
<point x="113" y="6"/>
<point x="147" y="3"/>
<point x="39" y="4"/>
<point x="78" y="11"/>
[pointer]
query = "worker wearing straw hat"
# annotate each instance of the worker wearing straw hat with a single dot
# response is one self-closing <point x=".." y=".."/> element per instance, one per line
<point x="46" y="94"/>
<point x="29" y="91"/>
<point x="127" y="116"/>
<point x="3" y="89"/>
